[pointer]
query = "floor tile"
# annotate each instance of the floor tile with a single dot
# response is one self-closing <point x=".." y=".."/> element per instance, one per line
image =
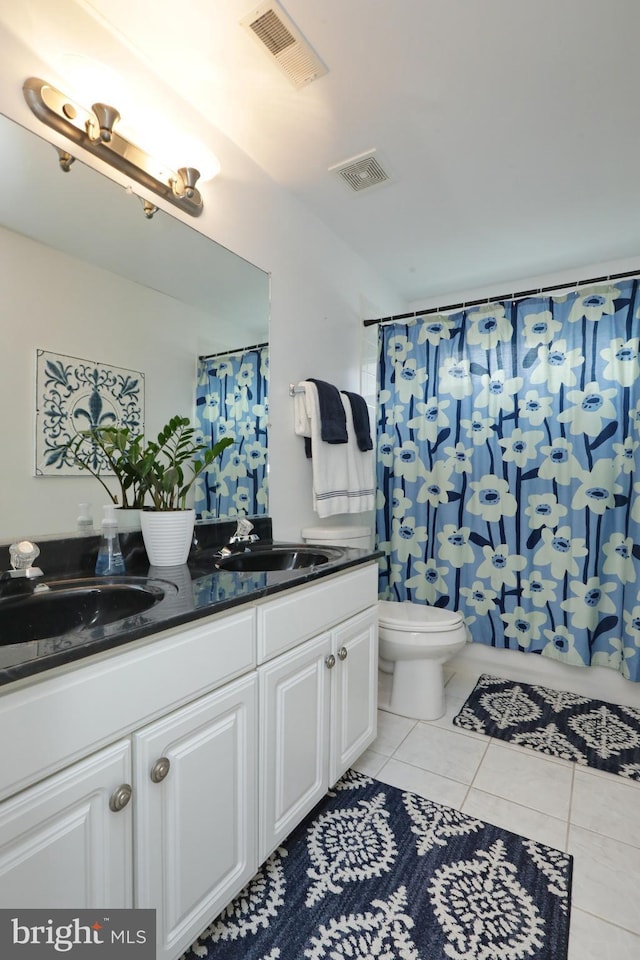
<point x="606" y="878"/>
<point x="451" y="793"/>
<point x="453" y="706"/>
<point x="369" y="763"/>
<point x="516" y="818"/>
<point x="533" y="795"/>
<point x="530" y="751"/>
<point x="461" y="684"/>
<point x="442" y="751"/>
<point x="527" y="778"/>
<point x="392" y="730"/>
<point x="607" y="805"/>
<point x="593" y="939"/>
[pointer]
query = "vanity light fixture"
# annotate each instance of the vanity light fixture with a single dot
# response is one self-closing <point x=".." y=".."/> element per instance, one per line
<point x="93" y="130"/>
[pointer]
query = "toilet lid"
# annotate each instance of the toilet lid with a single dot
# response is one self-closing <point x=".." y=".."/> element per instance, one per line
<point x="412" y="617"/>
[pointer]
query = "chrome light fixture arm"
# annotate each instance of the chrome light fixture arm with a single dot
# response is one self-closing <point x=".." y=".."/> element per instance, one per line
<point x="93" y="130"/>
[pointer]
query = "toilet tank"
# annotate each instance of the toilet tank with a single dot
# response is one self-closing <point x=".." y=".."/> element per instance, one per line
<point x="352" y="536"/>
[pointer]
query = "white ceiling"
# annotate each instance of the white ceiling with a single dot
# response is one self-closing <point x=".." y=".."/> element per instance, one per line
<point x="509" y="127"/>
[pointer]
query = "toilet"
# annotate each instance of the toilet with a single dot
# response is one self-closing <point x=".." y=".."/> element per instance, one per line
<point x="416" y="641"/>
<point x="346" y="536"/>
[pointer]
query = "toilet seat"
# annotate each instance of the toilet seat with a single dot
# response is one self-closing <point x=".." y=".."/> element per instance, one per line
<point x="409" y="617"/>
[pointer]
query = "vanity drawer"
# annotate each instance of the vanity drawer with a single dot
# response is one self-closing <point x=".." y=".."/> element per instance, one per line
<point x="54" y="721"/>
<point x="308" y="611"/>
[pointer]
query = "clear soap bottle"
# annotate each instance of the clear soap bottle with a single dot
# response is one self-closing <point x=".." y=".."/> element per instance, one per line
<point x="85" y="520"/>
<point x="110" y="561"/>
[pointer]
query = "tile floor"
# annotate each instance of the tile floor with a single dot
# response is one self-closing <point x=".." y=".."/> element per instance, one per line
<point x="594" y="816"/>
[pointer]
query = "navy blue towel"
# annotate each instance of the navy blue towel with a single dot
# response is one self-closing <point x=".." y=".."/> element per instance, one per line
<point x="333" y="422"/>
<point x="361" y="426"/>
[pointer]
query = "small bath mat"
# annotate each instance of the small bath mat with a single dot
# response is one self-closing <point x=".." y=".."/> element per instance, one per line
<point x="560" y="724"/>
<point x="375" y="872"/>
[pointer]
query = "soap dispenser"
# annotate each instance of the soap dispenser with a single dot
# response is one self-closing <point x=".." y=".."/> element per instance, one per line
<point x="85" y="520"/>
<point x="110" y="560"/>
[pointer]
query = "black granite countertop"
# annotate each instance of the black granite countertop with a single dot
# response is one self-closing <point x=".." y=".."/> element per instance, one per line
<point x="192" y="591"/>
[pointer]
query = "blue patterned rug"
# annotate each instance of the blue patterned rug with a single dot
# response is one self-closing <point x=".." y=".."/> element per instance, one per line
<point x="375" y="872"/>
<point x="560" y="724"/>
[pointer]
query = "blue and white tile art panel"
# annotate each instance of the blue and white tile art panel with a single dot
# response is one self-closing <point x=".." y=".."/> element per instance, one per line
<point x="73" y="395"/>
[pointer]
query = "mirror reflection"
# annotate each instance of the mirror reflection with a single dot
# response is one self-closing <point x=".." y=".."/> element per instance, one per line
<point x="85" y="275"/>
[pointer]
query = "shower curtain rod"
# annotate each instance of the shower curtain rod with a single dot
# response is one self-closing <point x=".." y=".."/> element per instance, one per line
<point x="520" y="295"/>
<point x="227" y="353"/>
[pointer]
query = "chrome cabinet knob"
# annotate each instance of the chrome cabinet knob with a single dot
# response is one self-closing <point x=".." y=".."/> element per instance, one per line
<point x="160" y="769"/>
<point x="330" y="661"/>
<point x="343" y="653"/>
<point x="120" y="797"/>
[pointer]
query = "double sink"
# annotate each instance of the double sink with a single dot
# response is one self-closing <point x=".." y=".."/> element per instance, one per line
<point x="41" y="609"/>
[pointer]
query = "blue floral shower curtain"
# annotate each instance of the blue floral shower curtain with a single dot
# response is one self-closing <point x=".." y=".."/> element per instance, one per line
<point x="232" y="401"/>
<point x="508" y="485"/>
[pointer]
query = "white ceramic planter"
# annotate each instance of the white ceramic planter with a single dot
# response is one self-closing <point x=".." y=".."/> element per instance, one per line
<point x="128" y="520"/>
<point x="167" y="535"/>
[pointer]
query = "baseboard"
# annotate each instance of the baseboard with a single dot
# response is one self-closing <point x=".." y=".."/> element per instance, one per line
<point x="598" y="682"/>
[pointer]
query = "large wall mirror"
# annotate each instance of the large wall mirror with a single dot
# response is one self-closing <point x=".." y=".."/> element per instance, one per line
<point x="85" y="275"/>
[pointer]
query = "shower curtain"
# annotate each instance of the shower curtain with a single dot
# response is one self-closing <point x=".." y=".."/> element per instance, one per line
<point x="232" y="401"/>
<point x="508" y="485"/>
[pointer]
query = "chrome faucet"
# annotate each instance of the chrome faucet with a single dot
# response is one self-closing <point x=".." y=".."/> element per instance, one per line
<point x="243" y="532"/>
<point x="242" y="535"/>
<point x="22" y="554"/>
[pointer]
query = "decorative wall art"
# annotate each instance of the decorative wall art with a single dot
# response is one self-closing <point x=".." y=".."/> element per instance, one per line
<point x="73" y="395"/>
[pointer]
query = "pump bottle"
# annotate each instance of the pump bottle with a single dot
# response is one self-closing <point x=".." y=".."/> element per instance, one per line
<point x="110" y="561"/>
<point x="85" y="520"/>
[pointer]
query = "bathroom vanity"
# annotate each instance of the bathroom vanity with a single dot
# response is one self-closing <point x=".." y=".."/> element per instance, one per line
<point x="163" y="771"/>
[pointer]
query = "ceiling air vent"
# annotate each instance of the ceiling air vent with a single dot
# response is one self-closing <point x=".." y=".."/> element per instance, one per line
<point x="361" y="172"/>
<point x="275" y="32"/>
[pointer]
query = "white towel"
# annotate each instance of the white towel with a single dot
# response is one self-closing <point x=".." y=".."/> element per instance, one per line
<point x="302" y="423"/>
<point x="343" y="476"/>
<point x="360" y="468"/>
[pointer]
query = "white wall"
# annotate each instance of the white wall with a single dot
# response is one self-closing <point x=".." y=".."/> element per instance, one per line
<point x="320" y="289"/>
<point x="563" y="279"/>
<point x="56" y="303"/>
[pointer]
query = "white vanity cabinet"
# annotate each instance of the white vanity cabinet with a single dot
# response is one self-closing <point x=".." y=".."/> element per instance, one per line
<point x="160" y="774"/>
<point x="295" y="706"/>
<point x="317" y="700"/>
<point x="195" y="817"/>
<point x="121" y="827"/>
<point x="355" y="686"/>
<point x="60" y="843"/>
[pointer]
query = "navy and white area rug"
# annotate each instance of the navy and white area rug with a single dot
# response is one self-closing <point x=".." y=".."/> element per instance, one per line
<point x="375" y="873"/>
<point x="555" y="722"/>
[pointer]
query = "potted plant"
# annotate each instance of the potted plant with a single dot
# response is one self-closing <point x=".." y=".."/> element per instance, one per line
<point x="118" y="451"/>
<point x="168" y="467"/>
<point x="154" y="478"/>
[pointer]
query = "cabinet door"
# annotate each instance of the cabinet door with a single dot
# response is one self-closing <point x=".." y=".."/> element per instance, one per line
<point x="60" y="843"/>
<point x="196" y="817"/>
<point x="295" y="698"/>
<point x="355" y="690"/>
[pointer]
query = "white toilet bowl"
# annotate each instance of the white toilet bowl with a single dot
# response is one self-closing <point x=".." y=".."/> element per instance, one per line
<point x="418" y="640"/>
